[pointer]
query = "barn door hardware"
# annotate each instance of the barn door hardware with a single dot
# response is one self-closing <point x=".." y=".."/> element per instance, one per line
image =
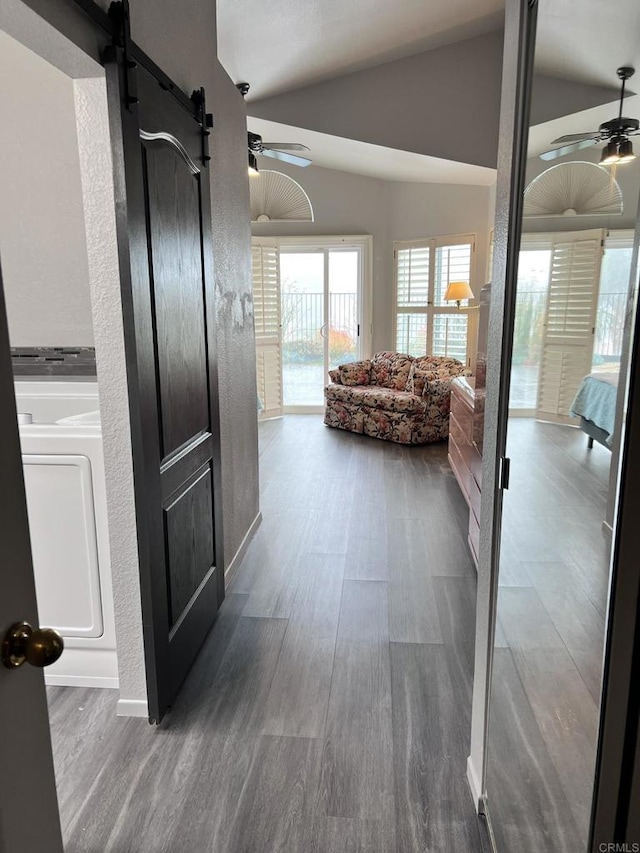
<point x="119" y="14"/>
<point x="205" y="120"/>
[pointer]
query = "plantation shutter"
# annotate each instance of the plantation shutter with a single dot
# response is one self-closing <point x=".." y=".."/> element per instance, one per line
<point x="266" y="307"/>
<point x="426" y="324"/>
<point x="412" y="297"/>
<point x="567" y="345"/>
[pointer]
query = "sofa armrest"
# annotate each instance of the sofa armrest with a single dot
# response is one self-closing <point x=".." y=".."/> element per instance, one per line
<point x="334" y="376"/>
<point x="437" y="392"/>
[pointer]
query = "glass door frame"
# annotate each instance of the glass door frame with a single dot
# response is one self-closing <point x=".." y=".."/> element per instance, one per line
<point x="363" y="244"/>
<point x="618" y="761"/>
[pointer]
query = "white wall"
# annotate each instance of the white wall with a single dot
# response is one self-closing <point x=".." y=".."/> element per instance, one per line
<point x="42" y="238"/>
<point x="344" y="203"/>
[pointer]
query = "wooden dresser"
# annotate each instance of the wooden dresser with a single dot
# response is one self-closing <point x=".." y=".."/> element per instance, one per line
<point x="465" y="449"/>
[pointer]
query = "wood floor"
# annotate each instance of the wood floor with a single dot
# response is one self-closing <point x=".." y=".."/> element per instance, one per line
<point x="551" y="616"/>
<point x="329" y="711"/>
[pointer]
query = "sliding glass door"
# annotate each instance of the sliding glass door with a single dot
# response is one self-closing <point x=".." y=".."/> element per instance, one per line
<point x="320" y="317"/>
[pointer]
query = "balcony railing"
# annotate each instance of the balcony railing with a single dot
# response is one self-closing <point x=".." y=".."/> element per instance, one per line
<point x="303" y="327"/>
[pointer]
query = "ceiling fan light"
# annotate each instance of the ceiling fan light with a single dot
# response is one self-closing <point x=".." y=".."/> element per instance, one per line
<point x="610" y="154"/>
<point x="625" y="151"/>
<point x="253" y="164"/>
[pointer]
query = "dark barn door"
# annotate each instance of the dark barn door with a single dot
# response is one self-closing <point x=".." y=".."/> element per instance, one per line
<point x="164" y="226"/>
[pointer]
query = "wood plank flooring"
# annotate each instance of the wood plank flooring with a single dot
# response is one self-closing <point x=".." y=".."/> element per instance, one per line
<point x="547" y="671"/>
<point x="329" y="710"/>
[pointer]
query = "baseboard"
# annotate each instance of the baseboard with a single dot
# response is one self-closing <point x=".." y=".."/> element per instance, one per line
<point x="81" y="681"/>
<point x="132" y="708"/>
<point x="474" y="784"/>
<point x="232" y="568"/>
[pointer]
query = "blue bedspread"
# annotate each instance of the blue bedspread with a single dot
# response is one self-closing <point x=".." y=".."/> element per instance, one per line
<point x="596" y="401"/>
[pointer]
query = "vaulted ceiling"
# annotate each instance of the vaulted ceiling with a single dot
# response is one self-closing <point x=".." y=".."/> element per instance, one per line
<point x="300" y="57"/>
<point x="282" y="44"/>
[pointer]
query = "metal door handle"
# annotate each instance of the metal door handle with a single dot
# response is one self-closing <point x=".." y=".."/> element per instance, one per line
<point x="24" y="644"/>
<point x="322" y="328"/>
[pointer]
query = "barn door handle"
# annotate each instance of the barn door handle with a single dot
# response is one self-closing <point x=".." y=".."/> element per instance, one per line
<point x="37" y="646"/>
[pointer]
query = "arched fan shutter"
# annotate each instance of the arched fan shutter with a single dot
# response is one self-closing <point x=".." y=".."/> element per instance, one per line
<point x="275" y="197"/>
<point x="573" y="189"/>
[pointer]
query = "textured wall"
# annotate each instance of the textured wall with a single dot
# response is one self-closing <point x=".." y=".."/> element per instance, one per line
<point x="42" y="242"/>
<point x="104" y="281"/>
<point x="234" y="311"/>
<point x="344" y="203"/>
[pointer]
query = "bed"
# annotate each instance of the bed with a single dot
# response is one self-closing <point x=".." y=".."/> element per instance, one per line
<point x="595" y="405"/>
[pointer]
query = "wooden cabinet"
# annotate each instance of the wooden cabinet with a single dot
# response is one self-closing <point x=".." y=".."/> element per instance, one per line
<point x="465" y="449"/>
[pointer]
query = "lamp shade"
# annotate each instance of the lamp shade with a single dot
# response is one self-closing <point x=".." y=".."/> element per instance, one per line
<point x="458" y="290"/>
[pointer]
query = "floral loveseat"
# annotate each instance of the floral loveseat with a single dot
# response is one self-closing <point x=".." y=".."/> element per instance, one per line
<point x="393" y="396"/>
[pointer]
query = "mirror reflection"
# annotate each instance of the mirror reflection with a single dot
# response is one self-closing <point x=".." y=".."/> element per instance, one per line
<point x="569" y="352"/>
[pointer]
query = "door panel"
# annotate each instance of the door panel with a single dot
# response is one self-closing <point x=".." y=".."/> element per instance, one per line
<point x="168" y="300"/>
<point x="189" y="540"/>
<point x="28" y="805"/>
<point x="173" y="204"/>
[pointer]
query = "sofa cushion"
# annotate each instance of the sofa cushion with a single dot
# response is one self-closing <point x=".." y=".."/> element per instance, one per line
<point x="355" y="373"/>
<point x="334" y="375"/>
<point x="390" y="370"/>
<point x="377" y="398"/>
<point x="442" y="365"/>
<point x="418" y="379"/>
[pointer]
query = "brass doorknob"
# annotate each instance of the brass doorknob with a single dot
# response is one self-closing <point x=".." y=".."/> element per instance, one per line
<point x="37" y="646"/>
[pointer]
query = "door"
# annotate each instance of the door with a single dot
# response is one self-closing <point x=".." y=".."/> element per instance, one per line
<point x="28" y="805"/>
<point x="321" y="289"/>
<point x="164" y="232"/>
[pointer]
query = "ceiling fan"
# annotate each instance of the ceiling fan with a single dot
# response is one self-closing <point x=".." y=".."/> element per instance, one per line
<point x="616" y="132"/>
<point x="273" y="149"/>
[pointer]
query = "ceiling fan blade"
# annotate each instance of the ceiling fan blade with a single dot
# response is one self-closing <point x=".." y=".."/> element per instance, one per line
<point x="567" y="149"/>
<point x="288" y="146"/>
<point x="575" y="137"/>
<point x="286" y="158"/>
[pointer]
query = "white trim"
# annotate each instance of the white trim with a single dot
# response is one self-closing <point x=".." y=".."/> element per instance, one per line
<point x="132" y="708"/>
<point x="474" y="784"/>
<point x="304" y="410"/>
<point x="81" y="681"/>
<point x="233" y="566"/>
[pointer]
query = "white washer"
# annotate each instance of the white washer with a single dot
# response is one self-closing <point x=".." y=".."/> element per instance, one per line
<point x="66" y="500"/>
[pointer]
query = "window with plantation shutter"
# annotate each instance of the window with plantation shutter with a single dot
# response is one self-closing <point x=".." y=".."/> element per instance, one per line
<point x="425" y="323"/>
<point x="569" y="327"/>
<point x="266" y="308"/>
